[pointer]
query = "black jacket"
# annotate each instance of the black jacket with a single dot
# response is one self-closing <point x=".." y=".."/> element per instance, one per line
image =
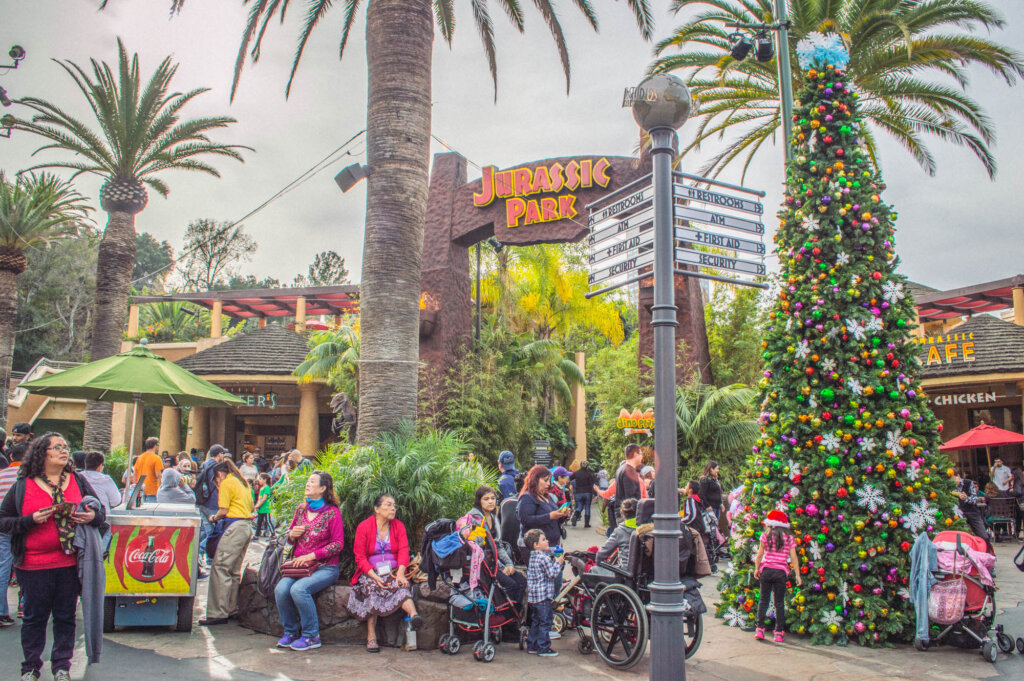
<point x="12" y="521"/>
<point x="627" y="484"/>
<point x="536" y="514"/>
<point x="710" y="492"/>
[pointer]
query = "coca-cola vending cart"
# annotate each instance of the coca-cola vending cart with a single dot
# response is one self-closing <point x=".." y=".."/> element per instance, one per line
<point x="152" y="566"/>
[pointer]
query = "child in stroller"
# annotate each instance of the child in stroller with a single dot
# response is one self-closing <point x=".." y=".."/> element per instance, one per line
<point x="479" y="604"/>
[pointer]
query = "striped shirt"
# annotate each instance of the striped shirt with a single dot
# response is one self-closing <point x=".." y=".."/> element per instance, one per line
<point x="7" y="478"/>
<point x="540" y="576"/>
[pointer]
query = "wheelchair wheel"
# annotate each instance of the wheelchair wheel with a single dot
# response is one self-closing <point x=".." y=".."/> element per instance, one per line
<point x="618" y="626"/>
<point x="693" y="632"/>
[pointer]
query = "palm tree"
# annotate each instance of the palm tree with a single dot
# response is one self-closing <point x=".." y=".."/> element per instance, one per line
<point x="544" y="368"/>
<point x="333" y="356"/>
<point x="399" y="45"/>
<point x="713" y="423"/>
<point x="142" y="135"/>
<point x="34" y="210"/>
<point x="899" y="51"/>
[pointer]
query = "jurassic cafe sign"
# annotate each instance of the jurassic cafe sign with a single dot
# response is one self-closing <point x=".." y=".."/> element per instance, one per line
<point x="951" y="348"/>
<point x="541" y="193"/>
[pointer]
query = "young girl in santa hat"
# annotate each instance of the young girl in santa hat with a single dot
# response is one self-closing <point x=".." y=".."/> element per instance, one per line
<point x="775" y="555"/>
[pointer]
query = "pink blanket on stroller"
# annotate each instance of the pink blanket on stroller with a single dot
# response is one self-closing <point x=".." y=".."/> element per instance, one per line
<point x="951" y="561"/>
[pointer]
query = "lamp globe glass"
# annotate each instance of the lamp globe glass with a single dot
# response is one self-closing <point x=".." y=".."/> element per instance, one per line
<point x="662" y="101"/>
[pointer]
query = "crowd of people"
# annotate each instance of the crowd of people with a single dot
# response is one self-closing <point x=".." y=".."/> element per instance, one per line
<point x="50" y="496"/>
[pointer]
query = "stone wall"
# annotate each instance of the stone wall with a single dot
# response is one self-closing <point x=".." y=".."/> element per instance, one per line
<point x="337" y="625"/>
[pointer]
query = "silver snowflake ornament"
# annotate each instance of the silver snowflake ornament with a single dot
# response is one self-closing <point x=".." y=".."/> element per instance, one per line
<point x="733" y="617"/>
<point x="829" y="617"/>
<point x="828" y="365"/>
<point x="870" y="497"/>
<point x="842" y="258"/>
<point x="856" y="329"/>
<point x="803" y="349"/>
<point x="831" y="441"/>
<point x="893" y="291"/>
<point x="892" y="441"/>
<point x="854" y="385"/>
<point x="921" y="514"/>
<point x="815" y="550"/>
<point x="868" y="444"/>
<point x="913" y="472"/>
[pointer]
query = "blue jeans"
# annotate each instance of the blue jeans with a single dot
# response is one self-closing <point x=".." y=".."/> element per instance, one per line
<point x="583" y="502"/>
<point x="295" y="600"/>
<point x="149" y="498"/>
<point x="205" y="528"/>
<point x="6" y="560"/>
<point x="541" y="617"/>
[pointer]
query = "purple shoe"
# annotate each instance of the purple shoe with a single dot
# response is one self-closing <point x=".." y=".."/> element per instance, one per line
<point x="305" y="643"/>
<point x="286" y="641"/>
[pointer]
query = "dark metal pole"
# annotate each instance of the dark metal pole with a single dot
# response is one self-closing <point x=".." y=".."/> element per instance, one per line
<point x="476" y="333"/>
<point x="668" y="656"/>
<point x="785" y="74"/>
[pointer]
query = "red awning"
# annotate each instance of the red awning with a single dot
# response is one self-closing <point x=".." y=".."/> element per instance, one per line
<point x="280" y="302"/>
<point x="983" y="436"/>
<point x="970" y="300"/>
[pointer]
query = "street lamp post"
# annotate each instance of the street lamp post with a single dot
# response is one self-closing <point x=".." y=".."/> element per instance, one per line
<point x="661" y="106"/>
<point x="785" y="74"/>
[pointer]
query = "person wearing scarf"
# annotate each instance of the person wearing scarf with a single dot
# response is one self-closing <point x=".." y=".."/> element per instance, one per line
<point x="39" y="513"/>
<point x="316" y="537"/>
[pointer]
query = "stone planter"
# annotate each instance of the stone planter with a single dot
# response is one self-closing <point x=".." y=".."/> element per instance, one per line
<point x="337" y="625"/>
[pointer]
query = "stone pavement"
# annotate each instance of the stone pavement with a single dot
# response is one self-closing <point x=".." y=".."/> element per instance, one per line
<point x="726" y="653"/>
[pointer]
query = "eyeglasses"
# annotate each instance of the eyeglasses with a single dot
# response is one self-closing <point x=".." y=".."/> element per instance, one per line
<point x="60" y="448"/>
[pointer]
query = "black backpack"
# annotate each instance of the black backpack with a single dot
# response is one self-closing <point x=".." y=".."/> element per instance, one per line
<point x="270" y="568"/>
<point x="205" y="489"/>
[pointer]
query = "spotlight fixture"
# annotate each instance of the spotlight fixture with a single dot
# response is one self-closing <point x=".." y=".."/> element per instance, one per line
<point x="4" y="99"/>
<point x="16" y="53"/>
<point x="764" y="49"/>
<point x="740" y="46"/>
<point x="495" y="244"/>
<point x="348" y="177"/>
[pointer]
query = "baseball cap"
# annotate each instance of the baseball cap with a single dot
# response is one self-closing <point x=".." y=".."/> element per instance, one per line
<point x="506" y="458"/>
<point x="22" y="428"/>
<point x="646" y="469"/>
<point x="560" y="472"/>
<point x="216" y="450"/>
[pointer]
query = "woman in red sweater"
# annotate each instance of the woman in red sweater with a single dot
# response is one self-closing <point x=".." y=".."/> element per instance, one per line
<point x="381" y="549"/>
<point x="39" y="514"/>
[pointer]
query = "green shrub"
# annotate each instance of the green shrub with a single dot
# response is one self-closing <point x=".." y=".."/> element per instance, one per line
<point x="115" y="463"/>
<point x="426" y="472"/>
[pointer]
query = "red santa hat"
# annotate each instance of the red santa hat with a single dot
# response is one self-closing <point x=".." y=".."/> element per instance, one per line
<point x="776" y="519"/>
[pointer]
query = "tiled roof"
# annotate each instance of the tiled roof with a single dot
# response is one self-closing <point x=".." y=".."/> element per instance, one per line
<point x="998" y="348"/>
<point x="273" y="349"/>
<point x="918" y="290"/>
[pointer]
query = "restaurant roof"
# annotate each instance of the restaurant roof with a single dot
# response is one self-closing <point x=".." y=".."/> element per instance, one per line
<point x="969" y="300"/>
<point x="273" y="349"/>
<point x="998" y="348"/>
<point x="270" y="302"/>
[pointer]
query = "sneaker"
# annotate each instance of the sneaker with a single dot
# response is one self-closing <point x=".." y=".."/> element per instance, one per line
<point x="780" y="636"/>
<point x="759" y="633"/>
<point x="30" y="676"/>
<point x="6" y="621"/>
<point x="554" y="635"/>
<point x="285" y="641"/>
<point x="547" y="653"/>
<point x="62" y="675"/>
<point x="531" y="652"/>
<point x="305" y="643"/>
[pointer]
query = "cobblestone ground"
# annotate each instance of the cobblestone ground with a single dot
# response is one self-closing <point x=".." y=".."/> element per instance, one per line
<point x="230" y="652"/>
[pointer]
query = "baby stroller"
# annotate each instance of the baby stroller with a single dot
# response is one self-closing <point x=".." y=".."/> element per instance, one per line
<point x="961" y="604"/>
<point x="486" y="608"/>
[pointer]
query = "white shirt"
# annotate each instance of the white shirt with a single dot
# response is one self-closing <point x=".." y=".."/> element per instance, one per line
<point x="105" y="488"/>
<point x="1001" y="476"/>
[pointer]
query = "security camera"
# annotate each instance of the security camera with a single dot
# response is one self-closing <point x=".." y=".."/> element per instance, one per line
<point x="4" y="99"/>
<point x="17" y="53"/>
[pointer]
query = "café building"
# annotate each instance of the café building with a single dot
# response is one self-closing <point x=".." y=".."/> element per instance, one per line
<point x="971" y="343"/>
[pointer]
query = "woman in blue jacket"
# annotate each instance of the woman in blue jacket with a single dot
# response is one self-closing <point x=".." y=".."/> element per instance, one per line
<point x="537" y="508"/>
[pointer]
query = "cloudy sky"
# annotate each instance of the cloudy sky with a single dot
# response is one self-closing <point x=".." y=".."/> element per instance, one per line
<point x="955" y="229"/>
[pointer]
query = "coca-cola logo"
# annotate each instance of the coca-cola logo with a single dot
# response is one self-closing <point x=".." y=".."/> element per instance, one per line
<point x="148" y="559"/>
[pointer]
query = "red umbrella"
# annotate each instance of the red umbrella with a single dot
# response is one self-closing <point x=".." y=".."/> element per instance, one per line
<point x="983" y="436"/>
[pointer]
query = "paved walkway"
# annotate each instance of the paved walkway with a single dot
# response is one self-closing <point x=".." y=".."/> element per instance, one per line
<point x="726" y="654"/>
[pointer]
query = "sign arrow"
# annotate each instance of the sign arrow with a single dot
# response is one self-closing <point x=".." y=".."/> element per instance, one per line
<point x="719" y="262"/>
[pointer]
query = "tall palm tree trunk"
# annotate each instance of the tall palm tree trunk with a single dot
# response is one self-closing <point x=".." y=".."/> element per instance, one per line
<point x="113" y="283"/>
<point x="399" y="43"/>
<point x="8" y="310"/>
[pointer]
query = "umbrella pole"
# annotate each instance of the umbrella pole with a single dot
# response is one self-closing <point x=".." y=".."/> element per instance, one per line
<point x="131" y="442"/>
<point x="988" y="455"/>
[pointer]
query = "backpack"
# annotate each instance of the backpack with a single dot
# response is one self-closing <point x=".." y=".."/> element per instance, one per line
<point x="205" y="489"/>
<point x="270" y="568"/>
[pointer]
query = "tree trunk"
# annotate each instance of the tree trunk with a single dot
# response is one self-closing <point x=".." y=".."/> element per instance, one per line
<point x="113" y="283"/>
<point x="399" y="43"/>
<point x="8" y="311"/>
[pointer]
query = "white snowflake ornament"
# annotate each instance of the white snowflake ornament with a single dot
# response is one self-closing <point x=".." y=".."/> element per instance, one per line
<point x="892" y="441"/>
<point x="803" y="349"/>
<point x="854" y="385"/>
<point x="831" y="441"/>
<point x="815" y="550"/>
<point x="921" y="514"/>
<point x="844" y="593"/>
<point x="829" y="617"/>
<point x="842" y="258"/>
<point x="733" y="617"/>
<point x="856" y="329"/>
<point x="868" y="445"/>
<point x="893" y="291"/>
<point x="913" y="472"/>
<point x="828" y="365"/>
<point x="870" y="497"/>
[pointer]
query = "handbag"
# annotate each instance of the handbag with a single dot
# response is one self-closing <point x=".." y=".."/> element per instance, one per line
<point x="292" y="571"/>
<point x="270" y="568"/>
<point x="946" y="601"/>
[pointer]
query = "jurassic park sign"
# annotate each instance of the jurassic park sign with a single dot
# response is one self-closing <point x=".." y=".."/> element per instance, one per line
<point x="541" y="193"/>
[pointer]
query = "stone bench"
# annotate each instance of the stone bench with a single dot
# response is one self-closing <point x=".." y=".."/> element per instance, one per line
<point x="337" y="625"/>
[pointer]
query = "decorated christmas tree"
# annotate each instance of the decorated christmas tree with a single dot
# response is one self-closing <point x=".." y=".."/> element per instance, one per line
<point x="849" y="447"/>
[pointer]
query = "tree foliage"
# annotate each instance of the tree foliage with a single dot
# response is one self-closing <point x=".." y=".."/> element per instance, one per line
<point x="613" y="384"/>
<point x="909" y="60"/>
<point x="153" y="261"/>
<point x="327" y="269"/>
<point x="213" y="251"/>
<point x="735" y="324"/>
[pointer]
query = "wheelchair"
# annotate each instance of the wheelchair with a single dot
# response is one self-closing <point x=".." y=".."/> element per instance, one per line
<point x="608" y="608"/>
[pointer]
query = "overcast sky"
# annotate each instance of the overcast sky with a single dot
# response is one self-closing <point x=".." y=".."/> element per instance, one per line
<point x="955" y="229"/>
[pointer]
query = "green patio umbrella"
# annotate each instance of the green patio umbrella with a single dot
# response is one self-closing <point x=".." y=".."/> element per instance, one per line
<point x="139" y="376"/>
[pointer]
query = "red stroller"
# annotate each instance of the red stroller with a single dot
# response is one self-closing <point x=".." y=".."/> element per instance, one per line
<point x="962" y="605"/>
